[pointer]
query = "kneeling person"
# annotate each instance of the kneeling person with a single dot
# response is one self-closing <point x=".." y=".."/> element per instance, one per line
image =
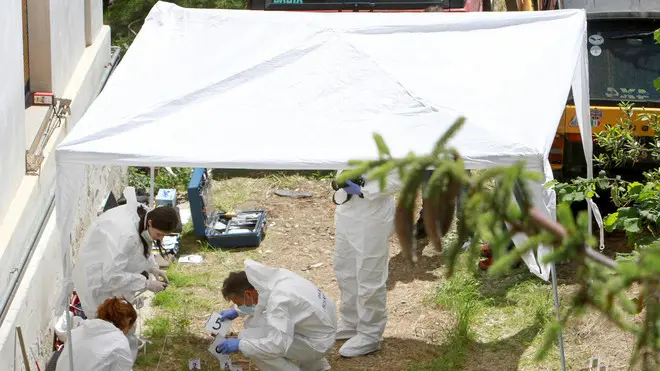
<point x="288" y="319"/>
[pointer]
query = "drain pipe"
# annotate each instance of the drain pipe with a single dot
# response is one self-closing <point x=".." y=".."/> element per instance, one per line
<point x="17" y="273"/>
<point x="115" y="56"/>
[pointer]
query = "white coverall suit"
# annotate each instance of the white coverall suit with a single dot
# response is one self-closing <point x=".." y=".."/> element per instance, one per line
<point x="97" y="346"/>
<point x="111" y="260"/>
<point x="362" y="230"/>
<point x="294" y="321"/>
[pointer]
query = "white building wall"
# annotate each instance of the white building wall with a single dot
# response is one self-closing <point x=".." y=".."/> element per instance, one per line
<point x="67" y="30"/>
<point x="12" y="106"/>
<point x="75" y="47"/>
<point x="93" y="18"/>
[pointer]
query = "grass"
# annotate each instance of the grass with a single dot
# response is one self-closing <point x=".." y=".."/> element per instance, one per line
<point x="460" y="296"/>
<point x="180" y="312"/>
<point x="176" y="327"/>
<point x="503" y="318"/>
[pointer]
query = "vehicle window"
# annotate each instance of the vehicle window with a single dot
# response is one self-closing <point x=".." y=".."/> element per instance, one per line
<point x="361" y="5"/>
<point x="623" y="60"/>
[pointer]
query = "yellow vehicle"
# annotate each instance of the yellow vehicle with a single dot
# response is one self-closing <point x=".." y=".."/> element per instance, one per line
<point x="623" y="62"/>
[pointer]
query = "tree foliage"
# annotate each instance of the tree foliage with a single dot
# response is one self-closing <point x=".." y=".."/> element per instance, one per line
<point x="125" y="17"/>
<point x="619" y="145"/>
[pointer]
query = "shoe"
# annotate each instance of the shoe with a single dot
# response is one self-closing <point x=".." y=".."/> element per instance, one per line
<point x="345" y="333"/>
<point x="358" y="346"/>
<point x="318" y="365"/>
<point x="420" y="232"/>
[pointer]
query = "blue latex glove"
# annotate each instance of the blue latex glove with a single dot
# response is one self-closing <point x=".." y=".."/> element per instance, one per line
<point x="228" y="346"/>
<point x="352" y="188"/>
<point x="228" y="314"/>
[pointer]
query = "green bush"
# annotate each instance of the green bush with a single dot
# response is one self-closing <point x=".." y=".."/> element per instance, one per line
<point x="141" y="179"/>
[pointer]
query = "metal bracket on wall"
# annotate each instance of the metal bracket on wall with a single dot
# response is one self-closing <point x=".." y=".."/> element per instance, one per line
<point x="56" y="113"/>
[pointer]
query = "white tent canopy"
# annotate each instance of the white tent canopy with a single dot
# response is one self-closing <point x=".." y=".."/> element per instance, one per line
<point x="276" y="90"/>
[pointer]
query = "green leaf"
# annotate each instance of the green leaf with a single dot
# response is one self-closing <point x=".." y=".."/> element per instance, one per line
<point x="647" y="242"/>
<point x="621" y="257"/>
<point x="650" y="262"/>
<point x="628" y="212"/>
<point x="353" y="173"/>
<point x="381" y="173"/>
<point x="651" y="214"/>
<point x="551" y="184"/>
<point x="627" y="268"/>
<point x="635" y="188"/>
<point x="383" y="150"/>
<point x="453" y="129"/>
<point x="570" y="194"/>
<point x="610" y="221"/>
<point x="656" y="83"/>
<point x="632" y="225"/>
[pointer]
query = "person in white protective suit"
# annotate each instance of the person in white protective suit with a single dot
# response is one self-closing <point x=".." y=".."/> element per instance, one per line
<point x="363" y="225"/>
<point x="116" y="250"/>
<point x="101" y="344"/>
<point x="288" y="321"/>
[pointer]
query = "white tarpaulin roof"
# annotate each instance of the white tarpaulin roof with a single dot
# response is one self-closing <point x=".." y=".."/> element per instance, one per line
<point x="277" y="90"/>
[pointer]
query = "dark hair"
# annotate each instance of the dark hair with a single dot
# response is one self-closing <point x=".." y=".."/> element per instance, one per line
<point x="235" y="285"/>
<point x="117" y="311"/>
<point x="163" y="218"/>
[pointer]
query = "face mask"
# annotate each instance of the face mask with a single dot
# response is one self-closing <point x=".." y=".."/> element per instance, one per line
<point x="145" y="233"/>
<point x="147" y="237"/>
<point x="246" y="309"/>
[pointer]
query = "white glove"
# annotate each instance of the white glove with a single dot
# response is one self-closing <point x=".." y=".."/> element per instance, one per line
<point x="155" y="286"/>
<point x="159" y="274"/>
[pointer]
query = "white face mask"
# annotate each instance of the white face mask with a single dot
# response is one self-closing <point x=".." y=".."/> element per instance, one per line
<point x="145" y="234"/>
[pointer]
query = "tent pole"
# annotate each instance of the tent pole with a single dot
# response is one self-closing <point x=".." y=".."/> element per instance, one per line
<point x="151" y="189"/>
<point x="562" y="356"/>
<point x="68" y="337"/>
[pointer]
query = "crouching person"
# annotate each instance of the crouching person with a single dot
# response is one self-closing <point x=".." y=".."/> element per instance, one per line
<point x="290" y="324"/>
<point x="101" y="344"/>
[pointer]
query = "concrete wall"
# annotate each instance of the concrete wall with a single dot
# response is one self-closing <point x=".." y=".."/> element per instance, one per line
<point x="93" y="19"/>
<point x="64" y="59"/>
<point x="37" y="296"/>
<point x="67" y="35"/>
<point x="12" y="106"/>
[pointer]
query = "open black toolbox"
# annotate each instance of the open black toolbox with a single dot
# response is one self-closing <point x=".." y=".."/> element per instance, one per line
<point x="245" y="229"/>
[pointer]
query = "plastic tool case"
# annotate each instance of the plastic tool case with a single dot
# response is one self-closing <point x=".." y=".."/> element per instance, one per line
<point x="245" y="229"/>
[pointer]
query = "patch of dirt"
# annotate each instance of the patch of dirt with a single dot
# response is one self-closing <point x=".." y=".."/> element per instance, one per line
<point x="301" y="233"/>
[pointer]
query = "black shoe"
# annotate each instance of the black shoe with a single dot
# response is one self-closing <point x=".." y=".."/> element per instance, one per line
<point x="420" y="232"/>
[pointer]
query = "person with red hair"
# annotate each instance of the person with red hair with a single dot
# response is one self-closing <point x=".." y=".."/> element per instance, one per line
<point x="101" y="344"/>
